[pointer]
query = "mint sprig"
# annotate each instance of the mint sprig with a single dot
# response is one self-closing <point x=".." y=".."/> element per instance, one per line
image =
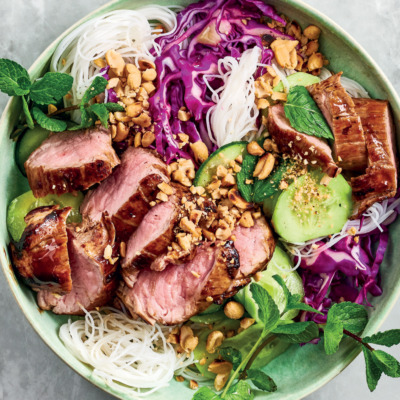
<point x="14" y="79"/>
<point x="51" y="88"/>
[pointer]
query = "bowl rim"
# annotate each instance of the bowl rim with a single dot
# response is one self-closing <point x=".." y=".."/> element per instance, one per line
<point x="327" y="23"/>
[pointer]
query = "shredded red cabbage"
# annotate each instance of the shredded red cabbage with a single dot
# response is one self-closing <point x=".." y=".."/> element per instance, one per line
<point x="216" y="29"/>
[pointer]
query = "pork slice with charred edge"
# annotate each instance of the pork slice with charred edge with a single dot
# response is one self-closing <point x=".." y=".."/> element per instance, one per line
<point x="71" y="161"/>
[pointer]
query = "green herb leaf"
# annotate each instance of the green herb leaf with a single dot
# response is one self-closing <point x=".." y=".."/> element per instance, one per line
<point x="388" y="338"/>
<point x="28" y="116"/>
<point x="354" y="317"/>
<point x="51" y="124"/>
<point x="114" y="107"/>
<point x="51" y="88"/>
<point x="246" y="172"/>
<point x="293" y="302"/>
<point x="373" y="372"/>
<point x="88" y="119"/>
<point x="14" y="79"/>
<point x="267" y="309"/>
<point x="333" y="334"/>
<point x="299" y="332"/>
<point x="232" y="355"/>
<point x="269" y="186"/>
<point x="239" y="391"/>
<point x="261" y="380"/>
<point x="205" y="393"/>
<point x="304" y="115"/>
<point x="386" y="363"/>
<point x="98" y="86"/>
<point x="102" y="113"/>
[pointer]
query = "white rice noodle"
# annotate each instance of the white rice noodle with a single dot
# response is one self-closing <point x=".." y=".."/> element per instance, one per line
<point x="235" y="114"/>
<point x="131" y="356"/>
<point x="129" y="32"/>
<point x="378" y="214"/>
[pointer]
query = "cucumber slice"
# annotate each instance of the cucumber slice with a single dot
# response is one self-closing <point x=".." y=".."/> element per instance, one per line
<point x="298" y="79"/>
<point x="308" y="210"/>
<point x="222" y="156"/>
<point x="21" y="206"/>
<point x="26" y="144"/>
<point x="280" y="264"/>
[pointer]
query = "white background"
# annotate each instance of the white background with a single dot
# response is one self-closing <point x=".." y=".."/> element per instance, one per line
<point x="28" y="369"/>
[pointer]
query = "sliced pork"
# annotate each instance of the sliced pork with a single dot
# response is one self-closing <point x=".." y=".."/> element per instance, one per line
<point x="299" y="145"/>
<point x="126" y="195"/>
<point x="380" y="179"/>
<point x="217" y="271"/>
<point x="41" y="256"/>
<point x="93" y="276"/>
<point x="338" y="108"/>
<point x="71" y="161"/>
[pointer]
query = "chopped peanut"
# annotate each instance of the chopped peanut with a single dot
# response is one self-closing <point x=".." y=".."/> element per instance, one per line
<point x="315" y="62"/>
<point x="193" y="385"/>
<point x="234" y="310"/>
<point x="148" y="138"/>
<point x="214" y="340"/>
<point x="246" y="220"/>
<point x="149" y="88"/>
<point x="285" y="52"/>
<point x="255" y="149"/>
<point x="138" y="139"/>
<point x="162" y="196"/>
<point x="116" y="62"/>
<point x="312" y="32"/>
<point x="312" y="47"/>
<point x="142" y="120"/>
<point x="134" y="109"/>
<point x="247" y="322"/>
<point x="183" y="115"/>
<point x="200" y="151"/>
<point x="122" y="132"/>
<point x="146" y="64"/>
<point x="235" y="197"/>
<point x="228" y="180"/>
<point x="149" y="75"/>
<point x="164" y="187"/>
<point x="220" y="381"/>
<point x="220" y="367"/>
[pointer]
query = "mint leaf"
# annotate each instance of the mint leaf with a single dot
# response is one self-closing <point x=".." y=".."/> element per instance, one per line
<point x="388" y="338"/>
<point x="261" y="380"/>
<point x="304" y="115"/>
<point x="100" y="110"/>
<point x="51" y="88"/>
<point x="51" y="124"/>
<point x="14" y="79"/>
<point x="205" y="393"/>
<point x="232" y="355"/>
<point x="293" y="301"/>
<point x="98" y="86"/>
<point x="372" y="371"/>
<point x="354" y="317"/>
<point x="267" y="309"/>
<point x="246" y="172"/>
<point x="28" y="116"/>
<point x="88" y="119"/>
<point x="114" y="107"/>
<point x="386" y="363"/>
<point x="239" y="391"/>
<point x="333" y="333"/>
<point x="269" y="186"/>
<point x="299" y="332"/>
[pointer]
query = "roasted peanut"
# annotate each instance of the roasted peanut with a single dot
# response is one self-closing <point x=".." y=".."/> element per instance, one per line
<point x="262" y="104"/>
<point x="228" y="180"/>
<point x="247" y="322"/>
<point x="315" y="62"/>
<point x="138" y="139"/>
<point x="246" y="220"/>
<point x="99" y="62"/>
<point x="234" y="310"/>
<point x="167" y="189"/>
<point x="116" y="62"/>
<point x="312" y="32"/>
<point x="200" y="151"/>
<point x="223" y="233"/>
<point x="180" y="176"/>
<point x="270" y="145"/>
<point x="149" y="75"/>
<point x="235" y="197"/>
<point x="112" y="83"/>
<point x="193" y="385"/>
<point x="221" y="171"/>
<point x="285" y="52"/>
<point x="148" y="138"/>
<point x="134" y="109"/>
<point x="264" y="166"/>
<point x="279" y="96"/>
<point x="220" y="367"/>
<point x="149" y="87"/>
<point x="121" y="116"/>
<point x="214" y="340"/>
<point x="146" y="64"/>
<point x="183" y="115"/>
<point x="142" y="120"/>
<point x="122" y="132"/>
<point x="134" y="78"/>
<point x="255" y="149"/>
<point x="220" y="381"/>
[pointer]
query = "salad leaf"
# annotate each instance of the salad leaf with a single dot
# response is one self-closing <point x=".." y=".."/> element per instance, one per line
<point x="28" y="116"/>
<point x="246" y="173"/>
<point x="51" y="124"/>
<point x="205" y="393"/>
<point x="304" y="115"/>
<point x="333" y="334"/>
<point x="97" y="87"/>
<point x="232" y="355"/>
<point x="386" y="363"/>
<point x="261" y="380"/>
<point x="100" y="110"/>
<point x="269" y="186"/>
<point x="388" y="338"/>
<point x="373" y="372"/>
<point x="299" y="332"/>
<point x="268" y="310"/>
<point x="51" y="88"/>
<point x="353" y="317"/>
<point x="239" y="391"/>
<point x="14" y="79"/>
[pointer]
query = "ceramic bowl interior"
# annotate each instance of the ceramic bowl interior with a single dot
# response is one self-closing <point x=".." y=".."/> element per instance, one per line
<point x="299" y="371"/>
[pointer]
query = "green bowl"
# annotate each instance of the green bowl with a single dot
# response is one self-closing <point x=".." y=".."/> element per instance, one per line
<point x="299" y="371"/>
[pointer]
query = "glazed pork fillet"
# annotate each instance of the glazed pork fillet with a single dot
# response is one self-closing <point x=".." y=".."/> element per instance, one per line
<point x="126" y="195"/>
<point x="71" y="161"/>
